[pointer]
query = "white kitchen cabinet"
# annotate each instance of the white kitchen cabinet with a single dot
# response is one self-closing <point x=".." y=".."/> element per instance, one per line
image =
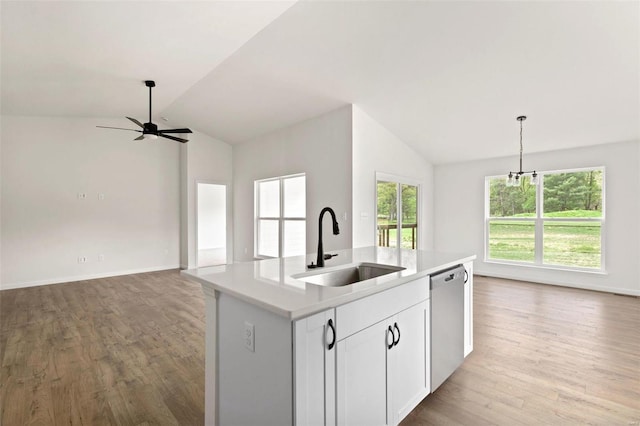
<point x="410" y="373"/>
<point x="362" y="377"/>
<point x="382" y="371"/>
<point x="468" y="309"/>
<point x="314" y="364"/>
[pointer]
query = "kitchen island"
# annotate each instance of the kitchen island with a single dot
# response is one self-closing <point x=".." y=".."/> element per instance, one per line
<point x="282" y="350"/>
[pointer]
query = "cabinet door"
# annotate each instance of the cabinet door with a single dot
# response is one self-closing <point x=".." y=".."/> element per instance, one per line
<point x="314" y="362"/>
<point x="468" y="309"/>
<point x="409" y="358"/>
<point x="361" y="382"/>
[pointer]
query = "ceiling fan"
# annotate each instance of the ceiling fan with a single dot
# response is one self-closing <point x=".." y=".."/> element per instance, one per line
<point x="150" y="130"/>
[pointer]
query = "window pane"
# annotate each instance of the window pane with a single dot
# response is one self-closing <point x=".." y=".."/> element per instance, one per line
<point x="268" y="238"/>
<point x="512" y="240"/>
<point x="269" y="193"/>
<point x="574" y="194"/>
<point x="511" y="201"/>
<point x="572" y="244"/>
<point x="294" y="237"/>
<point x="387" y="215"/>
<point x="294" y="197"/>
<point x="409" y="216"/>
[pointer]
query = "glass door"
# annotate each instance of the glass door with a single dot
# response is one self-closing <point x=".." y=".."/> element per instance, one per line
<point x="397" y="213"/>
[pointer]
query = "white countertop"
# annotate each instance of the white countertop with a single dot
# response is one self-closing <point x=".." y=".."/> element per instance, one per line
<point x="268" y="283"/>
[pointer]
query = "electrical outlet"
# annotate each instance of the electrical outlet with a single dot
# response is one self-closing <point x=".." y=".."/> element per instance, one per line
<point x="82" y="195"/>
<point x="249" y="336"/>
<point x="101" y="196"/>
<point x="100" y="257"/>
<point x="82" y="259"/>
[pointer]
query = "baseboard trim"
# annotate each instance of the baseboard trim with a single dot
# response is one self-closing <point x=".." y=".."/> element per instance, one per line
<point x="61" y="280"/>
<point x="614" y="290"/>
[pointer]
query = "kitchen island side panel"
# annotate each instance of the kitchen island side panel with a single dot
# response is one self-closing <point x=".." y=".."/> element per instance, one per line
<point x="254" y="387"/>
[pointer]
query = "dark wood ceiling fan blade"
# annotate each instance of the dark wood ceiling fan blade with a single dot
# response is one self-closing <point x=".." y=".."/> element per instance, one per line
<point x="139" y="138"/>
<point x="119" y="128"/>
<point x="173" y="138"/>
<point x="136" y="121"/>
<point x="175" y="131"/>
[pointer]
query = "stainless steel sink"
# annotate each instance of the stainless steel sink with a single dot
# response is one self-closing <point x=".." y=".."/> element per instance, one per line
<point x="347" y="275"/>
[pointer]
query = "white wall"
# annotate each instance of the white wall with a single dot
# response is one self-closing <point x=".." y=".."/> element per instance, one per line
<point x="459" y="214"/>
<point x="321" y="148"/>
<point x="46" y="162"/>
<point x="375" y="149"/>
<point x="209" y="160"/>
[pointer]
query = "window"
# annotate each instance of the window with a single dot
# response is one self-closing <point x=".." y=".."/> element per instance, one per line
<point x="558" y="222"/>
<point x="280" y="227"/>
<point x="397" y="213"/>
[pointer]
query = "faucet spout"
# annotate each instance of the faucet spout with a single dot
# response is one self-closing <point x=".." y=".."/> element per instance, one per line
<point x="336" y="231"/>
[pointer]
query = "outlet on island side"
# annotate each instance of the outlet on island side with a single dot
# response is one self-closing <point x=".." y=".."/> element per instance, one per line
<point x="249" y="336"/>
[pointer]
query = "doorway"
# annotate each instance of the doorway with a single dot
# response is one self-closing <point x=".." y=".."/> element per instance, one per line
<point x="396" y="212"/>
<point x="211" y="224"/>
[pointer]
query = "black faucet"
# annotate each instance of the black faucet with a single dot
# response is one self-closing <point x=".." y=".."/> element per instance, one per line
<point x="336" y="231"/>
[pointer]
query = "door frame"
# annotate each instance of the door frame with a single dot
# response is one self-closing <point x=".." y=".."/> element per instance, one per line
<point x="228" y="217"/>
<point x="399" y="180"/>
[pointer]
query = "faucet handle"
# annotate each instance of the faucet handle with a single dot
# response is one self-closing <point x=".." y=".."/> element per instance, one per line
<point x="329" y="256"/>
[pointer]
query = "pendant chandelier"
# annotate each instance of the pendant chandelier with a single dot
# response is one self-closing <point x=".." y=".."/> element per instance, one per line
<point x="514" y="178"/>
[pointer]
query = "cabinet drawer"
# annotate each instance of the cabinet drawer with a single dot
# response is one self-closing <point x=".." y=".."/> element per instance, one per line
<point x="360" y="314"/>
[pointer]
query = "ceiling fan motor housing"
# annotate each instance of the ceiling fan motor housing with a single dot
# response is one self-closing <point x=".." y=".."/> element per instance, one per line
<point x="150" y="128"/>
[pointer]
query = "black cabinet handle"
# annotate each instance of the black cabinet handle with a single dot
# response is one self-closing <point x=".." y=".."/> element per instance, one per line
<point x="395" y="342"/>
<point x="393" y="338"/>
<point x="466" y="276"/>
<point x="333" y="330"/>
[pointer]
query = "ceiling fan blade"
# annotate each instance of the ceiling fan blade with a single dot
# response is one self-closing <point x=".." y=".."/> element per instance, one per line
<point x="136" y="121"/>
<point x="139" y="138"/>
<point x="173" y="138"/>
<point x="175" y="131"/>
<point x="119" y="128"/>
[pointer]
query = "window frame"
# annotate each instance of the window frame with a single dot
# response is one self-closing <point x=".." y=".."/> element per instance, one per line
<point x="281" y="219"/>
<point x="539" y="222"/>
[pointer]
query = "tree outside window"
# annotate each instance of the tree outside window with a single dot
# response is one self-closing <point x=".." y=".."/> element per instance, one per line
<point x="558" y="222"/>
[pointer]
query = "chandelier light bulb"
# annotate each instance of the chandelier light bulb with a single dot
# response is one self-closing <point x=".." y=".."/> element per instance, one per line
<point x="534" y="178"/>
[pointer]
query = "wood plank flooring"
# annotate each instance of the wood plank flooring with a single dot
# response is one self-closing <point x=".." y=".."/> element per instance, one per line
<point x="130" y="351"/>
<point x="124" y="350"/>
<point x="543" y="355"/>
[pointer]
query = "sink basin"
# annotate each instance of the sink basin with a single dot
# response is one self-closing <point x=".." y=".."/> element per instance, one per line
<point x="348" y="275"/>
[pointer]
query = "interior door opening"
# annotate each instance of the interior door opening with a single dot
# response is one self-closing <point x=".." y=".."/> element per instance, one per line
<point x="211" y="224"/>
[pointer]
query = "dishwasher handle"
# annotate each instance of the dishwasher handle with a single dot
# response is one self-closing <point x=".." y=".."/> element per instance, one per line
<point x="448" y="277"/>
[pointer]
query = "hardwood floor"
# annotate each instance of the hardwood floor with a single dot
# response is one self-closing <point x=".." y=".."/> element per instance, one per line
<point x="124" y="350"/>
<point x="543" y="355"/>
<point x="130" y="351"/>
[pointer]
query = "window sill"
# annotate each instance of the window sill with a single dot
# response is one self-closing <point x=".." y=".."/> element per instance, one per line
<point x="547" y="267"/>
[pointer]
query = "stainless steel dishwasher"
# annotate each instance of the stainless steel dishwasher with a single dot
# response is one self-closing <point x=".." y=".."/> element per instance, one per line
<point x="447" y="324"/>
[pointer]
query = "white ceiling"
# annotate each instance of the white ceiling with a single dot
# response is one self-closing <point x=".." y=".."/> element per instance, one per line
<point x="90" y="58"/>
<point x="448" y="77"/>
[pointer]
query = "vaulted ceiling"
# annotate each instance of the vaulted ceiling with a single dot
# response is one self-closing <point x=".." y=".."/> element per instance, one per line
<point x="447" y="77"/>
